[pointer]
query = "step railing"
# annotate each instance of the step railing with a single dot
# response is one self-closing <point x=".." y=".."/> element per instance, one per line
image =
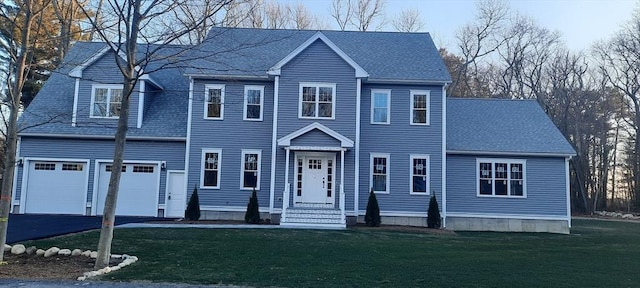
<point x="343" y="217"/>
<point x="285" y="202"/>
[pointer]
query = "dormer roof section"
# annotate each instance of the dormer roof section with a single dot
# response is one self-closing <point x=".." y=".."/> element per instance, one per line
<point x="276" y="69"/>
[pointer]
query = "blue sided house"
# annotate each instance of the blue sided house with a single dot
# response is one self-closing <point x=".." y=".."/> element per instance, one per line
<point x="312" y="120"/>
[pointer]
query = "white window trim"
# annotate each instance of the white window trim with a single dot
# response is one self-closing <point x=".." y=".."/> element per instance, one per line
<point x="244" y="112"/>
<point x="428" y="184"/>
<point x="250" y="151"/>
<point x="413" y="93"/>
<point x="317" y="85"/>
<point x="385" y="91"/>
<point x="206" y="100"/>
<point x="493" y="176"/>
<point x="93" y="95"/>
<point x="380" y="155"/>
<point x="202" y="160"/>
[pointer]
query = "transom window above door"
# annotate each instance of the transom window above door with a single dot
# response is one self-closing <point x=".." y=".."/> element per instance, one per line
<point x="317" y="100"/>
<point x="106" y="101"/>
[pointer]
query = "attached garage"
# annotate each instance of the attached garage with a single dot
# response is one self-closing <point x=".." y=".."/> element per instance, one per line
<point x="55" y="187"/>
<point x="139" y="189"/>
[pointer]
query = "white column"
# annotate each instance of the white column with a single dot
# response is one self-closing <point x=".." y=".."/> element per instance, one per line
<point x="342" y="196"/>
<point x="287" y="188"/>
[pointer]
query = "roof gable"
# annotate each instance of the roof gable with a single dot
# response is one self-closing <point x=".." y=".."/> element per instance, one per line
<point x="275" y="70"/>
<point x="344" y="141"/>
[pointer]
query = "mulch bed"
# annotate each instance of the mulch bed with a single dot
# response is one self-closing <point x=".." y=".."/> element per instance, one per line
<point x="30" y="266"/>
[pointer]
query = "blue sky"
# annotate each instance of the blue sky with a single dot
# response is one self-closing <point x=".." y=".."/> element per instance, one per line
<point x="581" y="22"/>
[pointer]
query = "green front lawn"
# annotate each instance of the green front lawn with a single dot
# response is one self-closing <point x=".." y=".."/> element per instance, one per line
<point x="597" y="254"/>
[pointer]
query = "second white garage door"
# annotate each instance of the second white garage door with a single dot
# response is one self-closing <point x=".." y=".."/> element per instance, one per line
<point x="139" y="187"/>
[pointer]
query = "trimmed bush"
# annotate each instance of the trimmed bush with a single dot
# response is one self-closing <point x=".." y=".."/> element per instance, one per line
<point x="433" y="214"/>
<point x="193" y="208"/>
<point x="372" y="218"/>
<point x="252" y="216"/>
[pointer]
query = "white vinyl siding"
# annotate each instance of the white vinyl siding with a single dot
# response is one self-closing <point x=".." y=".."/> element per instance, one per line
<point x="419" y="171"/>
<point x="211" y="164"/>
<point x="214" y="102"/>
<point x="501" y="178"/>
<point x="317" y="101"/>
<point x="420" y="100"/>
<point x="251" y="162"/>
<point x="253" y="103"/>
<point x="380" y="106"/>
<point x="106" y="101"/>
<point x="379" y="169"/>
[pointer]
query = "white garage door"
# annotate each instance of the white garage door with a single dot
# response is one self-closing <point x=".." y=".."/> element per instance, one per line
<point x="138" y="194"/>
<point x="56" y="187"/>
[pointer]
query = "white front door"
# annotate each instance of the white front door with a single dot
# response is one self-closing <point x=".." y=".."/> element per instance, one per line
<point x="314" y="175"/>
<point x="175" y="195"/>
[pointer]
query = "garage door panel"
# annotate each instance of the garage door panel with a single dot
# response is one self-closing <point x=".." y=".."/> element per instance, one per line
<point x="56" y="188"/>
<point x="138" y="193"/>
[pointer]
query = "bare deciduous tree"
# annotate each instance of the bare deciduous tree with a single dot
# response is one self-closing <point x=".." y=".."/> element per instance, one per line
<point x="408" y="20"/>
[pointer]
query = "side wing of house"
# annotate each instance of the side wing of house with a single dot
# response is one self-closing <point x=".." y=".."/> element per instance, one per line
<point x="506" y="173"/>
<point x="65" y="161"/>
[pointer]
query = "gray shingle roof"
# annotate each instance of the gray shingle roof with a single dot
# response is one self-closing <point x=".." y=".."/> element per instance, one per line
<point x="384" y="55"/>
<point x="502" y="126"/>
<point x="51" y="110"/>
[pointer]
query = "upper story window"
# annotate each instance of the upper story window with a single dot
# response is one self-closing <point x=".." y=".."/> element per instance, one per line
<point x="420" y="107"/>
<point x="419" y="174"/>
<point x="501" y="178"/>
<point x="214" y="102"/>
<point x="380" y="106"/>
<point x="379" y="172"/>
<point x="317" y="100"/>
<point x="106" y="101"/>
<point x="253" y="103"/>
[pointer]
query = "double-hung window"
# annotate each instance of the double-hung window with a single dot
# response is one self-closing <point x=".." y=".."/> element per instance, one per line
<point x="379" y="172"/>
<point x="253" y="103"/>
<point x="420" y="107"/>
<point x="380" y="106"/>
<point x="214" y="102"/>
<point x="317" y="100"/>
<point x="250" y="177"/>
<point x="419" y="174"/>
<point x="211" y="163"/>
<point x="501" y="177"/>
<point x="106" y="101"/>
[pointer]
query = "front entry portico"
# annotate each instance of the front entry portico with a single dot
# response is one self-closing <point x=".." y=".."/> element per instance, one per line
<point x="314" y="178"/>
<point x="315" y="185"/>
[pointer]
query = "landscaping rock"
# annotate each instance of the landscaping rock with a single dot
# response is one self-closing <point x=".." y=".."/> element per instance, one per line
<point x="51" y="251"/>
<point x="86" y="253"/>
<point x="18" y="249"/>
<point x="116" y="256"/>
<point x="31" y="249"/>
<point x="76" y="252"/>
<point x="40" y="252"/>
<point x="94" y="254"/>
<point x="627" y="216"/>
<point x="64" y="252"/>
<point x="115" y="268"/>
<point x="7" y="248"/>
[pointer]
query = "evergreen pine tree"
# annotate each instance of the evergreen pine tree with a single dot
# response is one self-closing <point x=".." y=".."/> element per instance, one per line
<point x="372" y="217"/>
<point x="433" y="214"/>
<point x="252" y="216"/>
<point x="193" y="208"/>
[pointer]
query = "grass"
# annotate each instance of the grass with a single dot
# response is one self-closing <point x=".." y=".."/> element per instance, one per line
<point x="596" y="254"/>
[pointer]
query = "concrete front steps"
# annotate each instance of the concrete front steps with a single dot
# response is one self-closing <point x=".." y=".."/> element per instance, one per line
<point x="313" y="216"/>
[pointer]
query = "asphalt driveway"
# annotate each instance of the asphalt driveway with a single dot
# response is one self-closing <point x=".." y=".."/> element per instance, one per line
<point x="24" y="227"/>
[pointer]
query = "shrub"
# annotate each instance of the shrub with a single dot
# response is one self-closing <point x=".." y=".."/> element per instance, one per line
<point x="193" y="208"/>
<point x="252" y="215"/>
<point x="433" y="214"/>
<point x="372" y="218"/>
